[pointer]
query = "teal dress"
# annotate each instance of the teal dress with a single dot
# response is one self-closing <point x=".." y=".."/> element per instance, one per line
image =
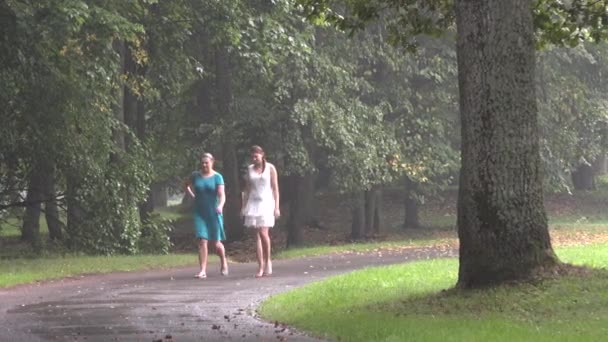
<point x="208" y="224"/>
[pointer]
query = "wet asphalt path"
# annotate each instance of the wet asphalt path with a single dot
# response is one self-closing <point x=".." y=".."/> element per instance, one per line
<point x="171" y="305"/>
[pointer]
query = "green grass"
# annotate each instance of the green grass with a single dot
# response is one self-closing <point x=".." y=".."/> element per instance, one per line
<point x="356" y="247"/>
<point x="405" y="303"/>
<point x="11" y="227"/>
<point x="172" y="214"/>
<point x="23" y="271"/>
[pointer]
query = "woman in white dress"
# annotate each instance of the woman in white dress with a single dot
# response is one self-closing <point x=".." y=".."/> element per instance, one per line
<point x="261" y="205"/>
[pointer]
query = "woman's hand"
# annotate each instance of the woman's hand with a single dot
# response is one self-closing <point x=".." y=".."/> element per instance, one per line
<point x="277" y="212"/>
<point x="219" y="210"/>
<point x="189" y="189"/>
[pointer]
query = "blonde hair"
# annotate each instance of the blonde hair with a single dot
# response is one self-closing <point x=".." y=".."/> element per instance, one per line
<point x="207" y="155"/>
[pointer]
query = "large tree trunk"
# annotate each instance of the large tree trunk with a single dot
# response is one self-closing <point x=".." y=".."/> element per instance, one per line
<point x="232" y="209"/>
<point x="502" y="224"/>
<point x="412" y="219"/>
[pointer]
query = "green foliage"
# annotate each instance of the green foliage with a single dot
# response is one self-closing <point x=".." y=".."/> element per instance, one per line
<point x="155" y="235"/>
<point x="571" y="100"/>
<point x="108" y="194"/>
<point x="568" y="23"/>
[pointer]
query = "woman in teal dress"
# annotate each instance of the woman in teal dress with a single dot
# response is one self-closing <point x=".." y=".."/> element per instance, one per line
<point x="207" y="188"/>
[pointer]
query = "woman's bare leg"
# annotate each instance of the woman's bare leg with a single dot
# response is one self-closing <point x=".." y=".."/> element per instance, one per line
<point x="266" y="248"/>
<point x="259" y="254"/>
<point x="202" y="257"/>
<point x="221" y="252"/>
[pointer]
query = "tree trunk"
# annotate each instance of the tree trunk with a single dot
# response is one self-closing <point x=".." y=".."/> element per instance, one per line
<point x="372" y="211"/>
<point x="205" y="84"/>
<point x="378" y="214"/>
<point x="299" y="207"/>
<point x="118" y="135"/>
<point x="306" y="199"/>
<point x="232" y="209"/>
<point x="358" y="212"/>
<point x="600" y="164"/>
<point x="412" y="219"/>
<point x="30" y="231"/>
<point x="147" y="206"/>
<point x="583" y="178"/>
<point x="50" y="207"/>
<point x="75" y="212"/>
<point x="160" y="197"/>
<point x="502" y="225"/>
<point x="131" y="105"/>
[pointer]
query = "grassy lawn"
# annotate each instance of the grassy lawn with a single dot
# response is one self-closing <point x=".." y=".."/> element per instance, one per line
<point x="406" y="303"/>
<point x="28" y="270"/>
<point x="19" y="264"/>
<point x="362" y="247"/>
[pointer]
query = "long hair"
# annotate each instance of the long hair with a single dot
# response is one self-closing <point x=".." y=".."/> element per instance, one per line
<point x="258" y="149"/>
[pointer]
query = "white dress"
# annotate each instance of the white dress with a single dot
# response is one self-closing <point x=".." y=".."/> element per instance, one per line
<point x="258" y="210"/>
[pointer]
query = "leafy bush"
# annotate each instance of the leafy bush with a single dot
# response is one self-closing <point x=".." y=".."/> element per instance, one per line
<point x="154" y="237"/>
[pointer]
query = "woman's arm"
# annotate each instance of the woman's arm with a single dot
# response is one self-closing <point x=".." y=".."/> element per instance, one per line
<point x="221" y="196"/>
<point x="244" y="194"/>
<point x="188" y="185"/>
<point x="274" y="183"/>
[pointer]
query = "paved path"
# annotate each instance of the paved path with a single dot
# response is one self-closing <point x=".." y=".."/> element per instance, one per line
<point x="170" y="305"/>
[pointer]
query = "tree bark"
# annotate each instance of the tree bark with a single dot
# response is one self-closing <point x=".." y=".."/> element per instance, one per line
<point x="300" y="207"/>
<point x="118" y="135"/>
<point x="205" y="84"/>
<point x="306" y="198"/>
<point x="232" y="209"/>
<point x="412" y="219"/>
<point x="502" y="225"/>
<point x="583" y="178"/>
<point x="378" y="214"/>
<point x="75" y="212"/>
<point x="372" y="211"/>
<point x="51" y="209"/>
<point x="30" y="231"/>
<point x="600" y="164"/>
<point x="358" y="213"/>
